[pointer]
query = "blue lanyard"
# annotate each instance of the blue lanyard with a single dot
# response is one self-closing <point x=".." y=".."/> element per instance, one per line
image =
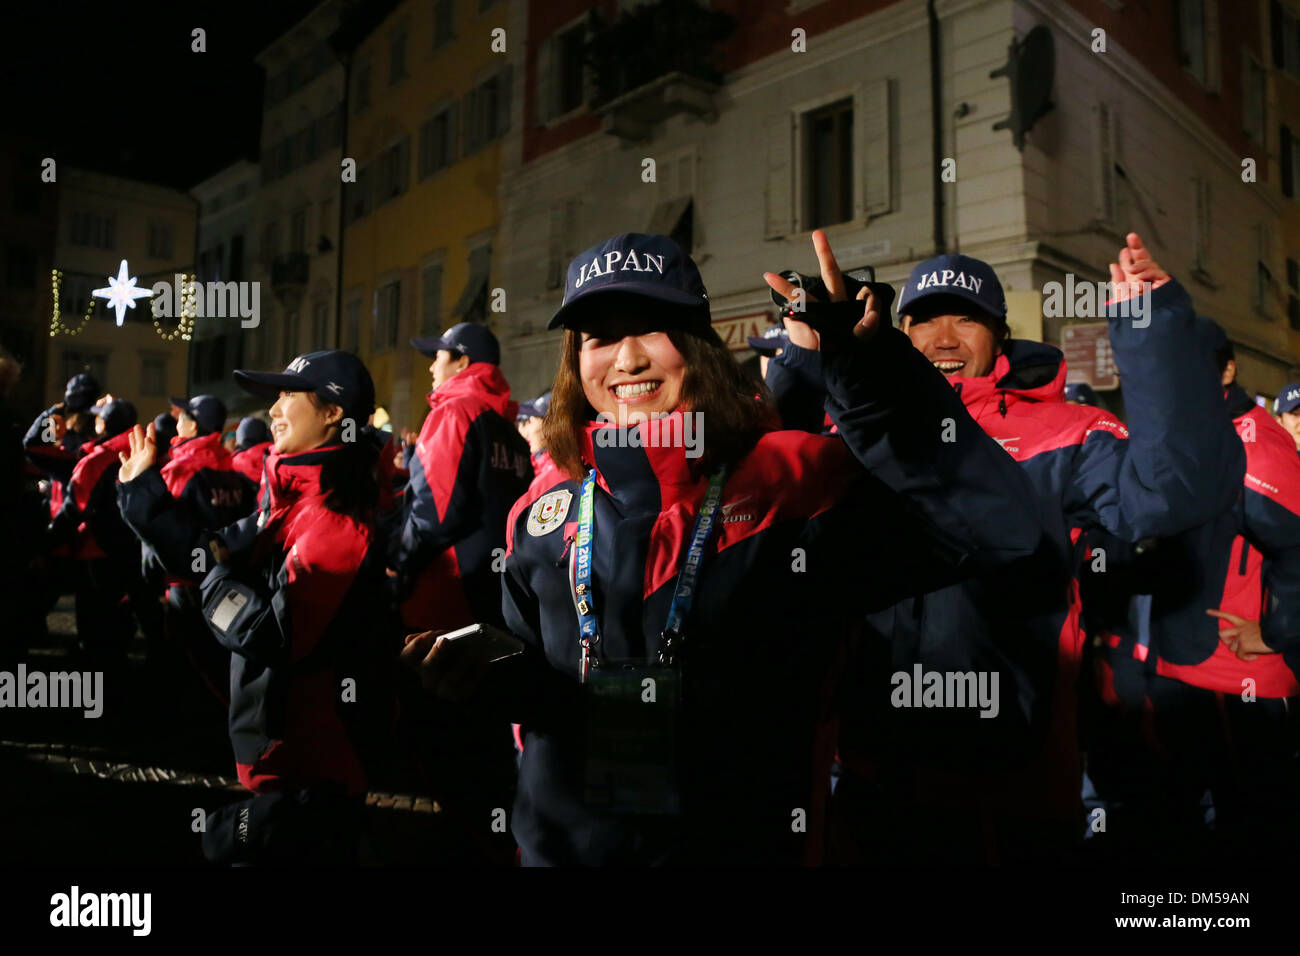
<point x="687" y="580"/>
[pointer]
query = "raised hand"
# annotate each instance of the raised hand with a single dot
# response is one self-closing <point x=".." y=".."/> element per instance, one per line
<point x="144" y="452"/>
<point x="866" y="326"/>
<point x="1134" y="267"/>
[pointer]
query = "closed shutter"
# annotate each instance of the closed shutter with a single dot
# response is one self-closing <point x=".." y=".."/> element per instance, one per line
<point x="875" y="161"/>
<point x="779" y="190"/>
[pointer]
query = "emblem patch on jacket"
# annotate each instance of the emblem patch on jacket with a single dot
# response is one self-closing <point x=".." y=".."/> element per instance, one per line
<point x="549" y="512"/>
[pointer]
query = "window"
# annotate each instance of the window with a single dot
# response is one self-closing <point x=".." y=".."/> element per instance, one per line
<point x="356" y="196"/>
<point x="352" y="326"/>
<point x="76" y="361"/>
<point x="485" y="5"/>
<point x="1253" y="98"/>
<point x="1197" y="27"/>
<point x="438" y="141"/>
<point x="290" y="336"/>
<point x="236" y="271"/>
<point x="93" y="229"/>
<point x="1293" y="293"/>
<point x="1290" y="162"/>
<point x="390" y="171"/>
<point x="487" y="111"/>
<point x="431" y="305"/>
<point x="828" y="165"/>
<point x="1286" y="38"/>
<point x="361" y="87"/>
<point x="298" y="230"/>
<point x="153" y="376"/>
<point x="320" y="313"/>
<point x="326" y="225"/>
<point x="20" y="269"/>
<point x="160" y="240"/>
<point x="561" y="73"/>
<point x="387" y="301"/>
<point x="270" y="243"/>
<point x="443" y="23"/>
<point x="397" y="54"/>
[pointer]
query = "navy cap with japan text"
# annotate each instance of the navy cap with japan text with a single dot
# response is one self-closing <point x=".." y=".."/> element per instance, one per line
<point x="1288" y="400"/>
<point x="633" y="263"/>
<point x="955" y="275"/>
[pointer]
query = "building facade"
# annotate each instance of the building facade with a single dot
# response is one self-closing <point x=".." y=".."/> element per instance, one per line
<point x="296" y="209"/>
<point x="431" y="98"/>
<point x="837" y="115"/>
<point x="103" y="220"/>
<point x="226" y="226"/>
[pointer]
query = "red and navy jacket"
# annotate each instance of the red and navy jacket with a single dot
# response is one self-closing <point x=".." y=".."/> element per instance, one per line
<point x="196" y="490"/>
<point x="1250" y="568"/>
<point x="248" y="462"/>
<point x="89" y="515"/>
<point x="808" y="541"/>
<point x="314" y="614"/>
<point x="470" y="465"/>
<point x="55" y="460"/>
<point x="1024" y="622"/>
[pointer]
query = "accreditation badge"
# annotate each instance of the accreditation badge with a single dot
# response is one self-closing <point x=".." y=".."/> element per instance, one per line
<point x="632" y="725"/>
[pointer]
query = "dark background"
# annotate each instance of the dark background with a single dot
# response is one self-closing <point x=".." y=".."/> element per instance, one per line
<point x="114" y="87"/>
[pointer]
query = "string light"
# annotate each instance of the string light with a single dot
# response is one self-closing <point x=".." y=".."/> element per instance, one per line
<point x="56" y="324"/>
<point x="185" y="323"/>
<point x="184" y="329"/>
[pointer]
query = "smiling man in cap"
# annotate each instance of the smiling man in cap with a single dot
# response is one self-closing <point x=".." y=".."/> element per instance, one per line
<point x="1287" y="409"/>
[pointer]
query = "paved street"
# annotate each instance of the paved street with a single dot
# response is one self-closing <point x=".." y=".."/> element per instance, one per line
<point x="122" y="788"/>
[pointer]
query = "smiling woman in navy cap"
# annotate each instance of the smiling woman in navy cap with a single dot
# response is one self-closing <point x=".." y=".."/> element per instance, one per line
<point x="298" y="596"/>
<point x="682" y="608"/>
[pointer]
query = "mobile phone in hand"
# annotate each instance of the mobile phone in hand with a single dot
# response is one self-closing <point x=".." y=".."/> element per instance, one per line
<point x="491" y="642"/>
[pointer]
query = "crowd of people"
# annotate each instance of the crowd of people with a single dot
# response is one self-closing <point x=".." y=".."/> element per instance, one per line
<point x="907" y="602"/>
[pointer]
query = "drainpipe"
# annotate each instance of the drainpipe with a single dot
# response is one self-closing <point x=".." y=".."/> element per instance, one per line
<point x="338" y="245"/>
<point x="936" y="129"/>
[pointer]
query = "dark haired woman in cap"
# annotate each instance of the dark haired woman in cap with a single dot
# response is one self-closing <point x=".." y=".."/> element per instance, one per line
<point x="683" y="602"/>
<point x="299" y="598"/>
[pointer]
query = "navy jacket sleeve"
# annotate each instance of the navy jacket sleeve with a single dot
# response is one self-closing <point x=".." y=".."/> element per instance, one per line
<point x="1182" y="463"/>
<point x="795" y="380"/>
<point x="151" y="512"/>
<point x="442" y="495"/>
<point x="907" y="425"/>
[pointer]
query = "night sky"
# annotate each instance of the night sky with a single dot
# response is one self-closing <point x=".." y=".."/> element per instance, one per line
<point x="113" y="87"/>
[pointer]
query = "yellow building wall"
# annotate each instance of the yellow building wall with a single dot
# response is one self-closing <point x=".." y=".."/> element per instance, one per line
<point x="437" y="214"/>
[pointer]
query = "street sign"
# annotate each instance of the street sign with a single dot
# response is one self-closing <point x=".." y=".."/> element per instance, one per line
<point x="1088" y="357"/>
<point x="736" y="330"/>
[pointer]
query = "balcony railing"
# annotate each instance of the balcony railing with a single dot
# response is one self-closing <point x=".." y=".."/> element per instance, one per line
<point x="654" y="62"/>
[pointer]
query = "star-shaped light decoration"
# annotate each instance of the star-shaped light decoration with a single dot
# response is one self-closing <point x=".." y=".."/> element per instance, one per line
<point x="121" y="292"/>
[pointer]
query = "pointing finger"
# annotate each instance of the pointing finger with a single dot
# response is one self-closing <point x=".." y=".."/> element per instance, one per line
<point x="830" y="268"/>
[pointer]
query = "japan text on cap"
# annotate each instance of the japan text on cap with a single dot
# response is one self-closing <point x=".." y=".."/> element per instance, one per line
<point x="1288" y="400"/>
<point x="334" y="376"/>
<point x="640" y="264"/>
<point x="955" y="275"/>
<point x="466" y="338"/>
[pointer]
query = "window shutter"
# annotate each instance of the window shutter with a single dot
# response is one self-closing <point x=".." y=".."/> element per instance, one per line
<point x="778" y="130"/>
<point x="546" y="87"/>
<point x="504" y="81"/>
<point x="403" y="165"/>
<point x="1107" y="155"/>
<point x="1288" y="163"/>
<point x="453" y="132"/>
<point x="875" y="161"/>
